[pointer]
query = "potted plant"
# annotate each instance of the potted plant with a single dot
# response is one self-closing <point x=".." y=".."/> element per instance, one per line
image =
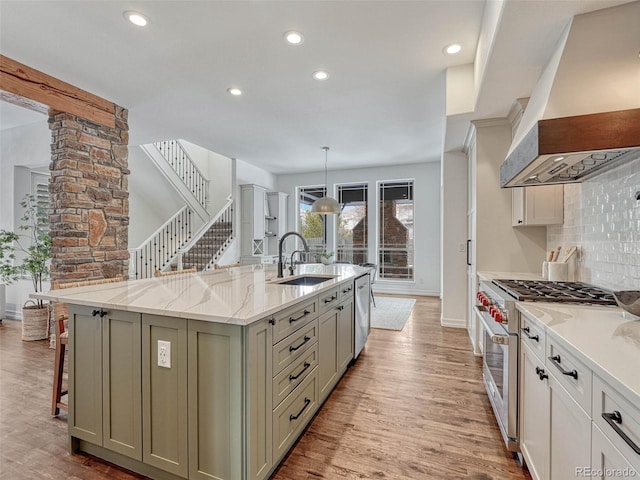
<point x="325" y="257"/>
<point x="33" y="247"/>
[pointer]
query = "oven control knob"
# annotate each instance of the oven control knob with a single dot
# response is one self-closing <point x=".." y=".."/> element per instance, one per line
<point x="492" y="309"/>
<point x="497" y="315"/>
<point x="485" y="301"/>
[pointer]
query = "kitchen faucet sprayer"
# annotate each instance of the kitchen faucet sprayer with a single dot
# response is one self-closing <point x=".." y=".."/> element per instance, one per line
<point x="280" y="247"/>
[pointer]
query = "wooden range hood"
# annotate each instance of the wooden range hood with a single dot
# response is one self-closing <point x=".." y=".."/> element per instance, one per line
<point x="584" y="114"/>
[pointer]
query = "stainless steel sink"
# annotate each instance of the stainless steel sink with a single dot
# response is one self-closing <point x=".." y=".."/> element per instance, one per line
<point x="305" y="280"/>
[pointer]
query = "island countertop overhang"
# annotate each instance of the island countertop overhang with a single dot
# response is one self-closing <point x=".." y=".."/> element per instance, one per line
<point x="237" y="296"/>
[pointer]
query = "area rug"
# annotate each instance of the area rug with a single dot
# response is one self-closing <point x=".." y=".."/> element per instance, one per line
<point x="391" y="313"/>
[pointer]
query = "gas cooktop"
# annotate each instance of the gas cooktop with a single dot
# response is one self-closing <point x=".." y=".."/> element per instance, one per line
<point x="567" y="292"/>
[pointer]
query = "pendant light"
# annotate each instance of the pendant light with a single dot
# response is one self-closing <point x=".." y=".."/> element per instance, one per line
<point x="326" y="205"/>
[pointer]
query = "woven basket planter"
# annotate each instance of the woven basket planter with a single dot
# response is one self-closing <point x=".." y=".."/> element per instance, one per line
<point x="35" y="322"/>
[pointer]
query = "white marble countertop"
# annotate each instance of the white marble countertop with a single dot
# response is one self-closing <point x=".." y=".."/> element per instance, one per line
<point x="238" y="296"/>
<point x="607" y="339"/>
<point x="490" y="276"/>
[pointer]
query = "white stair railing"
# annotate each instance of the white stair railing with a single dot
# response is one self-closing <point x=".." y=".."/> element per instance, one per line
<point x="162" y="247"/>
<point x="186" y="168"/>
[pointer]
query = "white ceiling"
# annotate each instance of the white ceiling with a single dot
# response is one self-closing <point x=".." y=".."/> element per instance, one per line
<point x="383" y="104"/>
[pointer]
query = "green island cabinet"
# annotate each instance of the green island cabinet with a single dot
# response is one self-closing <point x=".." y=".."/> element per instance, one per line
<point x="230" y="405"/>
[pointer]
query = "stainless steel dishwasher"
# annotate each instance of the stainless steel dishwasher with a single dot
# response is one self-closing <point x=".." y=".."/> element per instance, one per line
<point x="363" y="312"/>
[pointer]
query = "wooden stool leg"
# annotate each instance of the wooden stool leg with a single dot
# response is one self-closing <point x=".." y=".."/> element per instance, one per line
<point x="58" y="370"/>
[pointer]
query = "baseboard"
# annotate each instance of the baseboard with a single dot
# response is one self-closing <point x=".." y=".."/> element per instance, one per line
<point x="453" y="322"/>
<point x="11" y="314"/>
<point x="404" y="290"/>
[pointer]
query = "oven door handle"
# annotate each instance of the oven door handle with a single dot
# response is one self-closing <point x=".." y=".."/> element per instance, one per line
<point x="497" y="334"/>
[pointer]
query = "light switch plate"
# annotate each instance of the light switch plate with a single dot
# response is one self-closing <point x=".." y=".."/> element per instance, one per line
<point x="164" y="354"/>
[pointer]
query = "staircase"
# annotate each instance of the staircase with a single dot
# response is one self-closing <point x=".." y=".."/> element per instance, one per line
<point x="181" y="171"/>
<point x="173" y="244"/>
<point x="207" y="247"/>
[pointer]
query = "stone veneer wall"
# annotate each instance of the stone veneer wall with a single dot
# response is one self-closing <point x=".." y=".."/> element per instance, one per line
<point x="89" y="213"/>
<point x="602" y="217"/>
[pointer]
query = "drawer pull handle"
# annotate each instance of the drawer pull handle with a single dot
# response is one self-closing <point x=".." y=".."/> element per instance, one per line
<point x="307" y="401"/>
<point x="347" y="290"/>
<point x="556" y="361"/>
<point x="304" y="314"/>
<point x="614" y="419"/>
<point x="541" y="373"/>
<point x="330" y="299"/>
<point x="100" y="312"/>
<point x="340" y="308"/>
<point x="295" y="377"/>
<point x="293" y="349"/>
<point x="530" y="337"/>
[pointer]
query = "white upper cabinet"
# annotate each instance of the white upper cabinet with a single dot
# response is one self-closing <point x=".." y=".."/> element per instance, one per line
<point x="535" y="206"/>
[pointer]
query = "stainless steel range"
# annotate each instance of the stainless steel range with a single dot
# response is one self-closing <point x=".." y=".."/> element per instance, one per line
<point x="496" y="310"/>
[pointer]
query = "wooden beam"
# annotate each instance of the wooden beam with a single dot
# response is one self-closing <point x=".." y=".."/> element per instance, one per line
<point x="18" y="79"/>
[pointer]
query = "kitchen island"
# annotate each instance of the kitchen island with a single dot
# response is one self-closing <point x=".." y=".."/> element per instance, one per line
<point x="206" y="375"/>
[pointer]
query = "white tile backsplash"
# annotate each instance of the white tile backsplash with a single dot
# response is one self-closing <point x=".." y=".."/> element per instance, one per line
<point x="602" y="217"/>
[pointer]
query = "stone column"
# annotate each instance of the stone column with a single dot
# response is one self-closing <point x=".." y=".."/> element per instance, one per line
<point x="89" y="213"/>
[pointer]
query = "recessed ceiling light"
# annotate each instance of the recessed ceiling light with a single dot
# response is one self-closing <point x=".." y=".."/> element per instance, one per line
<point x="452" y="49"/>
<point x="293" y="38"/>
<point x="234" y="91"/>
<point x="320" y="74"/>
<point x="136" y="18"/>
<point x="559" y="159"/>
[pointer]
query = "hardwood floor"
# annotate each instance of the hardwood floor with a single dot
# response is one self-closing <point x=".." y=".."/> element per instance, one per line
<point x="412" y="407"/>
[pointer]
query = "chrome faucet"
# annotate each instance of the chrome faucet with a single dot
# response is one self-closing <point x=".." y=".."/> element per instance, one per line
<point x="292" y="266"/>
<point x="281" y="245"/>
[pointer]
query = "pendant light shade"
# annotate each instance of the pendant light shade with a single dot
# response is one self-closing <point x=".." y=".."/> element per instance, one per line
<point x="326" y="205"/>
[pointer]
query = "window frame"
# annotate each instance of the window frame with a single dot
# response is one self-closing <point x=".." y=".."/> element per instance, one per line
<point x="378" y="241"/>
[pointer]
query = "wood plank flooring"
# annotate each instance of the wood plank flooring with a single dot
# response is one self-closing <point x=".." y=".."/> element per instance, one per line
<point x="412" y="407"/>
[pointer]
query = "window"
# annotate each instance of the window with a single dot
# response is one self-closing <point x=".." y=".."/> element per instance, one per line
<point x="312" y="226"/>
<point x="353" y="228"/>
<point x="40" y="192"/>
<point x="395" y="251"/>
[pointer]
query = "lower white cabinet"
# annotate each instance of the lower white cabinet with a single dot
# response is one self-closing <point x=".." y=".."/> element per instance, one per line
<point x="534" y="417"/>
<point x="570" y="433"/>
<point x="606" y="460"/>
<point x="572" y="423"/>
<point x="555" y="432"/>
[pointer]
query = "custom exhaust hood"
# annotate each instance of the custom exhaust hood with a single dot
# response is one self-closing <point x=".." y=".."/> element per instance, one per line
<point x="584" y="113"/>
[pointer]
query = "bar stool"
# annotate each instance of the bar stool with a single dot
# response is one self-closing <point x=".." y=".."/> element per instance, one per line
<point x="60" y="317"/>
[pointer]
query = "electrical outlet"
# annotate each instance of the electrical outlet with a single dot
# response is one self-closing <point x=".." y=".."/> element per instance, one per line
<point x="164" y="354"/>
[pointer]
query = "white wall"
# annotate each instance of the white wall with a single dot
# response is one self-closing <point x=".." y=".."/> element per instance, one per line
<point x="454" y="238"/>
<point x="602" y="217"/>
<point x="152" y="199"/>
<point x="426" y="214"/>
<point x="21" y="149"/>
<point x="247" y="173"/>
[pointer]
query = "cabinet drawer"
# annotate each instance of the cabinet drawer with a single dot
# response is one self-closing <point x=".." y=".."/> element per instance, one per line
<point x="291" y="416"/>
<point x="345" y="291"/>
<point x="294" y="374"/>
<point x="534" y="336"/>
<point x="291" y="319"/>
<point x="570" y="372"/>
<point x="623" y="420"/>
<point x="294" y="346"/>
<point x="328" y="300"/>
